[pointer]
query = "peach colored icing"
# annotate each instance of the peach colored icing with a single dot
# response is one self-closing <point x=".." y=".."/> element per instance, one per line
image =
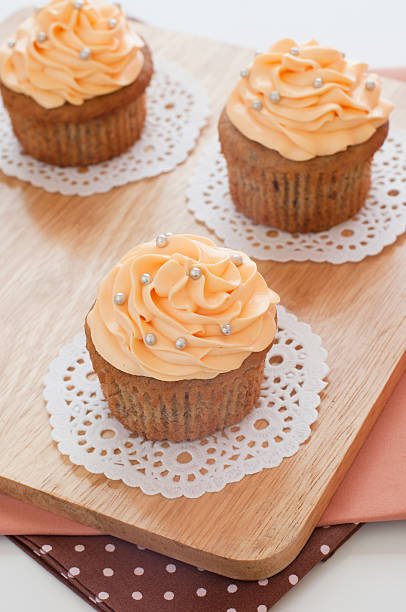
<point x="173" y="305"/>
<point x="52" y="71"/>
<point x="307" y="121"/>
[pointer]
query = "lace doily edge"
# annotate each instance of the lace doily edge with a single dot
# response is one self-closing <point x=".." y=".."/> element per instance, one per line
<point x="192" y="196"/>
<point x="312" y="257"/>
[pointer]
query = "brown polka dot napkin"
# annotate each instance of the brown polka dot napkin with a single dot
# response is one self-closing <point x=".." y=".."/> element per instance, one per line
<point x="116" y="576"/>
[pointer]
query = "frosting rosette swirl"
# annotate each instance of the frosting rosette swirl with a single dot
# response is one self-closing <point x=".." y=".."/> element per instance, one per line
<point x="173" y="305"/>
<point x="307" y="100"/>
<point x="71" y="52"/>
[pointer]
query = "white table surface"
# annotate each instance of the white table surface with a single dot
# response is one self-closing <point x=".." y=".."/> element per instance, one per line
<point x="368" y="572"/>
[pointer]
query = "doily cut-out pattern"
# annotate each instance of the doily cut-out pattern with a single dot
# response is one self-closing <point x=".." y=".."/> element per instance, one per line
<point x="177" y="109"/>
<point x="379" y="222"/>
<point x="86" y="432"/>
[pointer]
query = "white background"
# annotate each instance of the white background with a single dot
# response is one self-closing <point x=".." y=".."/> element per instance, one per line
<point x="368" y="572"/>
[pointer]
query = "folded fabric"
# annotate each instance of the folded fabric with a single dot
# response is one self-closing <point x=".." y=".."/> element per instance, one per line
<point x="374" y="488"/>
<point x="17" y="518"/>
<point x="115" y="576"/>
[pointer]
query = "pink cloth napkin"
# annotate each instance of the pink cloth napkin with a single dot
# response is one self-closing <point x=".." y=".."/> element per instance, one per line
<point x="17" y="518"/>
<point x="373" y="490"/>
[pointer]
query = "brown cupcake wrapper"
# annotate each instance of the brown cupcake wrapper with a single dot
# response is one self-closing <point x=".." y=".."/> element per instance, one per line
<point x="84" y="143"/>
<point x="179" y="410"/>
<point x="308" y="196"/>
<point x="299" y="202"/>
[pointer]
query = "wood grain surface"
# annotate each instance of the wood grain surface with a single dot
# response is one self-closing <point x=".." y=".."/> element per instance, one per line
<point x="54" y="249"/>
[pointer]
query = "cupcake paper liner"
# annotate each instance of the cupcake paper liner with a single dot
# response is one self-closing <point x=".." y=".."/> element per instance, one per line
<point x="295" y="202"/>
<point x="80" y="144"/>
<point x="306" y="196"/>
<point x="179" y="410"/>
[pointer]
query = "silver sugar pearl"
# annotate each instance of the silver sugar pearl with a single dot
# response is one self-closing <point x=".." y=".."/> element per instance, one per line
<point x="181" y="343"/>
<point x="41" y="37"/>
<point x="146" y="278"/>
<point x="318" y="82"/>
<point x="120" y="298"/>
<point x="78" y="4"/>
<point x="226" y="329"/>
<point x="85" y="53"/>
<point x="244" y="73"/>
<point x="370" y="84"/>
<point x="112" y="23"/>
<point x="150" y="339"/>
<point x="161" y="241"/>
<point x="275" y="97"/>
<point x="11" y="44"/>
<point x="236" y="258"/>
<point x="294" y="51"/>
<point x="195" y="273"/>
<point x="257" y="105"/>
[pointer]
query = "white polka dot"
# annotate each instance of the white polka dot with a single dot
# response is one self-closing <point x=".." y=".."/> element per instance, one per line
<point x="201" y="592"/>
<point x="262" y="608"/>
<point x="139" y="571"/>
<point x="108" y="572"/>
<point x="103" y="595"/>
<point x="79" y="548"/>
<point x="232" y="588"/>
<point x="231" y="610"/>
<point x="169" y="595"/>
<point x="293" y="579"/>
<point x="140" y="547"/>
<point x="263" y="582"/>
<point x="325" y="549"/>
<point x="74" y="571"/>
<point x="110" y="548"/>
<point x="201" y="569"/>
<point x="171" y="568"/>
<point x="136" y="595"/>
<point x="46" y="549"/>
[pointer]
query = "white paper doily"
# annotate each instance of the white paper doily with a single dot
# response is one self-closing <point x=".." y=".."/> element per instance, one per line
<point x="378" y="223"/>
<point x="84" y="430"/>
<point x="177" y="109"/>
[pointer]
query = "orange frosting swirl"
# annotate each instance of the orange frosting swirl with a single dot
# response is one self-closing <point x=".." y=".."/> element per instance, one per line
<point x="42" y="59"/>
<point x="306" y="120"/>
<point x="173" y="305"/>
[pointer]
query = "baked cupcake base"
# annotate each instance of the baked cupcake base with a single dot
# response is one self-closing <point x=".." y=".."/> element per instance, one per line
<point x="99" y="129"/>
<point x="308" y="196"/>
<point x="179" y="410"/>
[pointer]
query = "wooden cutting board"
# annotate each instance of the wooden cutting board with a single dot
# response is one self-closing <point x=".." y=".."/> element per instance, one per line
<point x="54" y="250"/>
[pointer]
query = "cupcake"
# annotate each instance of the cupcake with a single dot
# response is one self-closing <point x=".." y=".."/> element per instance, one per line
<point x="178" y="336"/>
<point x="73" y="80"/>
<point x="298" y="133"/>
